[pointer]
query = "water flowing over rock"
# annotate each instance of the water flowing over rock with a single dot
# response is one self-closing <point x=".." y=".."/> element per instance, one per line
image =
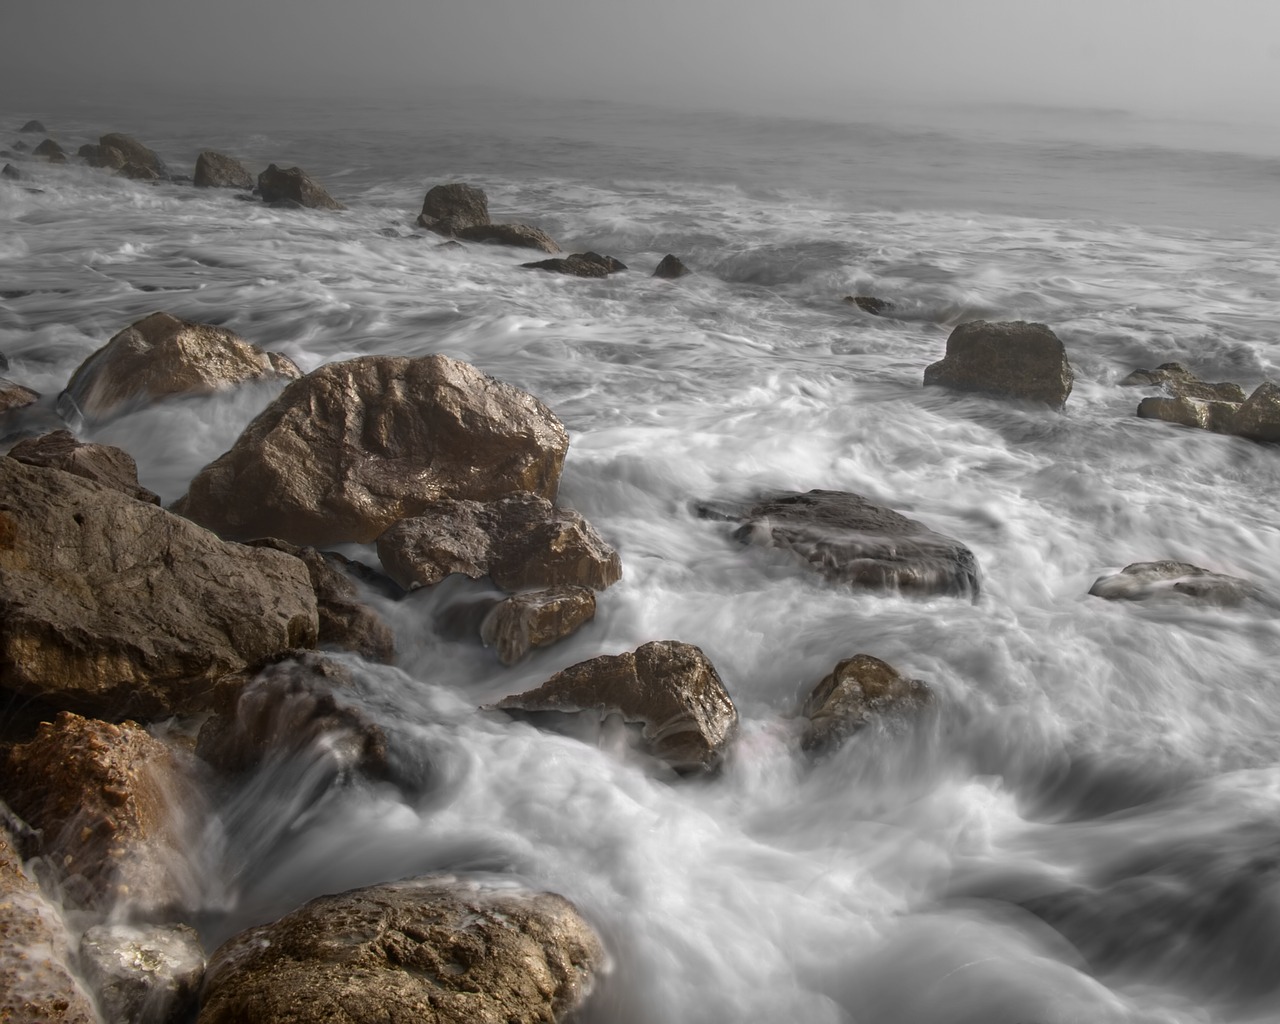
<point x="870" y="304"/>
<point x="1182" y="383"/>
<point x="115" y="607"/>
<point x="850" y="540"/>
<point x="135" y="154"/>
<point x="521" y="541"/>
<point x="1259" y="417"/>
<point x="1219" y="417"/>
<point x="437" y="950"/>
<point x="161" y="356"/>
<point x="294" y="186"/>
<point x="669" y="688"/>
<point x="519" y="236"/>
<point x="33" y="126"/>
<point x="144" y="975"/>
<point x="51" y="151"/>
<point x="1012" y="360"/>
<point x="580" y="264"/>
<point x="356" y="446"/>
<point x="216" y="170"/>
<point x="539" y="618"/>
<point x="102" y="463"/>
<point x="855" y="691"/>
<point x="1143" y="580"/>
<point x="670" y="267"/>
<point x="447" y="209"/>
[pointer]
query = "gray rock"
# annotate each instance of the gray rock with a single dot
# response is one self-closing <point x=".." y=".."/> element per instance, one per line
<point x="579" y="264"/>
<point x="135" y="153"/>
<point x="103" y="463"/>
<point x="520" y="236"/>
<point x="102" y="156"/>
<point x="539" y="618"/>
<point x="1259" y="417"/>
<point x="447" y="209"/>
<point x="143" y="975"/>
<point x="33" y="126"/>
<point x="1182" y="383"/>
<point x="670" y="268"/>
<point x="216" y="170"/>
<point x="294" y="185"/>
<point x="10" y="173"/>
<point x="1011" y="360"/>
<point x="51" y="151"/>
<point x="1145" y="580"/>
<point x="855" y="691"/>
<point x="870" y="304"/>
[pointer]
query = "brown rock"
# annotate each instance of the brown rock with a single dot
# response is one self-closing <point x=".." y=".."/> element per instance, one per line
<point x="520" y="541"/>
<point x="103" y="156"/>
<point x="103" y="463"/>
<point x="134" y="152"/>
<point x="1011" y="360"/>
<point x="15" y="396"/>
<point x="161" y="356"/>
<point x="138" y="172"/>
<point x="356" y="446"/>
<point x="435" y="950"/>
<point x="117" y="608"/>
<point x="670" y="268"/>
<point x="1259" y="417"/>
<point x="855" y="691"/>
<point x="1190" y="412"/>
<point x="216" y="170"/>
<point x="1143" y="580"/>
<point x="580" y="264"/>
<point x="144" y="975"/>
<point x="520" y="236"/>
<point x="536" y="619"/>
<point x="294" y="186"/>
<point x="1182" y="383"/>
<point x="668" y="687"/>
<point x="870" y="304"/>
<point x="447" y="209"/>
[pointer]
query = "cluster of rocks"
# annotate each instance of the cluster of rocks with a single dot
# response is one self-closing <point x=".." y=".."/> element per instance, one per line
<point x="1221" y="407"/>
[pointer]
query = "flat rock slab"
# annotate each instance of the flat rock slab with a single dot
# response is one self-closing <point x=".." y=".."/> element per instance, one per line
<point x="144" y="975"/>
<point x="849" y="540"/>
<point x="1014" y="359"/>
<point x="669" y="688"/>
<point x="1142" y="581"/>
<point x="538" y="618"/>
<point x="857" y="690"/>
<point x="519" y="236"/>
<point x="435" y="950"/>
<point x="102" y="463"/>
<point x="580" y="264"/>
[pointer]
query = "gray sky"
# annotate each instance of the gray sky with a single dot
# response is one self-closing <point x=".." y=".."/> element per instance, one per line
<point x="1167" y="55"/>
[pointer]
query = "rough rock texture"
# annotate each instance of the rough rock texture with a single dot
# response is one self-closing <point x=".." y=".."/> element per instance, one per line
<point x="161" y="356"/>
<point x="668" y="687"/>
<point x="356" y="446"/>
<point x="114" y="607"/>
<point x="139" y="172"/>
<point x="447" y="209"/>
<point x="1013" y="360"/>
<point x="103" y="463"/>
<point x="1191" y="412"/>
<point x="294" y="186"/>
<point x="670" y="267"/>
<point x="870" y="304"/>
<point x="135" y="153"/>
<point x="33" y="126"/>
<point x="857" y="689"/>
<point x="103" y="156"/>
<point x="1259" y="417"/>
<point x="106" y="798"/>
<point x="1182" y="383"/>
<point x="15" y="396"/>
<point x="520" y="236"/>
<point x="51" y="151"/>
<point x="850" y="540"/>
<point x="580" y="264"/>
<point x="520" y="541"/>
<point x="539" y="618"/>
<point x="36" y="984"/>
<point x="147" y="975"/>
<point x="431" y="950"/>
<point x="216" y="170"/>
<point x="1143" y="580"/>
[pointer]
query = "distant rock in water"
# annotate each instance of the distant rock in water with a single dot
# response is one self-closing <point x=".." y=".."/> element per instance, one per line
<point x="1145" y="580"/>
<point x="21" y="147"/>
<point x="870" y="304"/>
<point x="850" y="540"/>
<point x="102" y="156"/>
<point x="102" y="463"/>
<point x="670" y="268"/>
<point x="293" y="185"/>
<point x="33" y="126"/>
<point x="215" y="170"/>
<point x="519" y="236"/>
<point x="1011" y="360"/>
<point x="536" y="618"/>
<point x="855" y="691"/>
<point x="1182" y="383"/>
<point x="51" y="151"/>
<point x="12" y="174"/>
<point x="1259" y="417"/>
<point x="144" y="161"/>
<point x="580" y="264"/>
<point x="447" y="209"/>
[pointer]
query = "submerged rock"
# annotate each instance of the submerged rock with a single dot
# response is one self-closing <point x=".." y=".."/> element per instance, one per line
<point x="1219" y="417"/>
<point x="294" y="186"/>
<point x="855" y="691"/>
<point x="448" y="209"/>
<point x="102" y="463"/>
<point x="870" y="304"/>
<point x="356" y="446"/>
<point x="539" y="618"/>
<point x="144" y="975"/>
<point x="1182" y="383"/>
<point x="850" y="540"/>
<point x="429" y="949"/>
<point x="1012" y="360"/>
<point x="1259" y="417"/>
<point x="580" y="264"/>
<point x="216" y="170"/>
<point x="670" y="267"/>
<point x="1143" y="580"/>
<point x="520" y="236"/>
<point x="135" y="154"/>
<point x="669" y="688"/>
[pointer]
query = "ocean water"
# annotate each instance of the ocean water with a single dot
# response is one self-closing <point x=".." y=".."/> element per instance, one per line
<point x="1086" y="828"/>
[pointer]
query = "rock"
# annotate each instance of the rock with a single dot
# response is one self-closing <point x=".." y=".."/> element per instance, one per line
<point x="356" y="446"/>
<point x="453" y="243"/>
<point x="431" y="949"/>
<point x="580" y="264"/>
<point x="144" y="975"/>
<point x="344" y="621"/>
<point x="50" y="151"/>
<point x="138" y="172"/>
<point x="214" y="170"/>
<point x="1191" y="412"/>
<point x="4" y="362"/>
<point x="1259" y="417"/>
<point x="107" y="799"/>
<point x="520" y="236"/>
<point x="1012" y="360"/>
<point x="33" y="126"/>
<point x="103" y="156"/>
<point x="134" y="152"/>
<point x="161" y="356"/>
<point x="21" y="147"/>
<point x="670" y="268"/>
<point x="117" y="608"/>
<point x="447" y="209"/>
<point x="536" y="619"/>
<point x="850" y="540"/>
<point x="855" y="691"/>
<point x="12" y="174"/>
<point x="668" y="687"/>
<point x="870" y="304"/>
<point x="1182" y="383"/>
<point x="521" y="542"/>
<point x="294" y="185"/>
<point x="36" y="982"/>
<point x="103" y="463"/>
<point x="1143" y="580"/>
<point x="14" y="395"/>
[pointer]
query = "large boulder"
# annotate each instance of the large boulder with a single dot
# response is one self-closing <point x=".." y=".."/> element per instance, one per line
<point x="293" y="186"/>
<point x="1145" y="580"/>
<point x="519" y="236"/>
<point x="102" y="156"/>
<point x="102" y="463"/>
<point x="135" y="154"/>
<point x="579" y="264"/>
<point x="356" y="446"/>
<point x="1182" y="383"/>
<point x="436" y="950"/>
<point x="670" y="267"/>
<point x="537" y="618"/>
<point x="1259" y="417"/>
<point x="521" y="541"/>
<point x="216" y="170"/>
<point x="161" y="356"/>
<point x="114" y="607"/>
<point x="447" y="209"/>
<point x="850" y="540"/>
<point x="855" y="691"/>
<point x="1012" y="360"/>
<point x="1191" y="412"/>
<point x="669" y="688"/>
<point x="51" y="151"/>
<point x="144" y="975"/>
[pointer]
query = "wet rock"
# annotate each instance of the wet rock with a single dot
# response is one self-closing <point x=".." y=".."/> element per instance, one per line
<point x="11" y="173"/>
<point x="1143" y="580"/>
<point x="1259" y="417"/>
<point x="431" y="949"/>
<point x="855" y="691"/>
<point x="143" y="975"/>
<point x="33" y="126"/>
<point x="117" y="608"/>
<point x="36" y="982"/>
<point x="356" y="446"/>
<point x="1012" y="360"/>
<point x="103" y="463"/>
<point x="14" y="395"/>
<point x="453" y="243"/>
<point x="135" y="153"/>
<point x="870" y="304"/>
<point x="161" y="356"/>
<point x="520" y="236"/>
<point x="138" y="172"/>
<point x="1182" y="383"/>
<point x="669" y="688"/>
<point x="107" y="800"/>
<point x="447" y="209"/>
<point x="1219" y="417"/>
<point x="294" y="185"/>
<point x="580" y="264"/>
<point x="216" y="170"/>
<point x="670" y="267"/>
<point x="521" y="541"/>
<point x="539" y="618"/>
<point x="51" y="151"/>
<point x="102" y="156"/>
<point x="850" y="540"/>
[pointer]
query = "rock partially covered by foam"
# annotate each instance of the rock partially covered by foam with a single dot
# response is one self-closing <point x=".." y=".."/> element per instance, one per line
<point x="1014" y="359"/>
<point x="1146" y="580"/>
<point x="144" y="975"/>
<point x="534" y="619"/>
<point x="857" y="690"/>
<point x="1182" y="383"/>
<point x="580" y="264"/>
<point x="294" y="187"/>
<point x="518" y="236"/>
